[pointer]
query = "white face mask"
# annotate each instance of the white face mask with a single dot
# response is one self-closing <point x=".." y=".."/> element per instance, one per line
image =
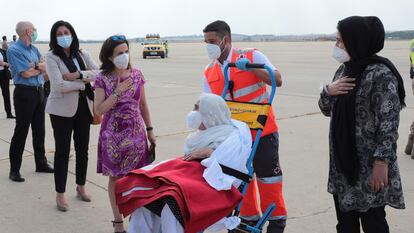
<point x="340" y="55"/>
<point x="121" y="61"/>
<point x="214" y="51"/>
<point x="193" y="120"/>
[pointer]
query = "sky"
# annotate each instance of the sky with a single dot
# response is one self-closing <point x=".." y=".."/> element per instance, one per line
<point x="98" y="19"/>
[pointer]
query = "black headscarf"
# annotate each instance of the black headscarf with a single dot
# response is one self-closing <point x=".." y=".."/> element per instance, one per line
<point x="363" y="38"/>
<point x="70" y="64"/>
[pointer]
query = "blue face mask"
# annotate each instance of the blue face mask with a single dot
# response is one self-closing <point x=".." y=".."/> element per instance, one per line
<point x="34" y="36"/>
<point x="64" y="41"/>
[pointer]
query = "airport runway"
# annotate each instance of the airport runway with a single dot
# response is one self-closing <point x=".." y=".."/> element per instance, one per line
<point x="173" y="85"/>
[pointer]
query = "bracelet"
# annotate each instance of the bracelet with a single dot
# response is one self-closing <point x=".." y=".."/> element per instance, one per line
<point x="150" y="128"/>
<point x="116" y="94"/>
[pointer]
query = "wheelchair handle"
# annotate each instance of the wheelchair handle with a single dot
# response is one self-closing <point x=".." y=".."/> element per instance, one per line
<point x="250" y="66"/>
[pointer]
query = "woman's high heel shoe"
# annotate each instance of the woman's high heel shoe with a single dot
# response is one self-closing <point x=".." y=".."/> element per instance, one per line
<point x="83" y="196"/>
<point x="61" y="205"/>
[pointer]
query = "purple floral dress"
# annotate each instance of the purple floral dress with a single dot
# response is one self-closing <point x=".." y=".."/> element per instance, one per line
<point x="122" y="143"/>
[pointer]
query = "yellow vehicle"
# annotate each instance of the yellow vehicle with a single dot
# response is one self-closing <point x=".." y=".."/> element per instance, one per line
<point x="154" y="46"/>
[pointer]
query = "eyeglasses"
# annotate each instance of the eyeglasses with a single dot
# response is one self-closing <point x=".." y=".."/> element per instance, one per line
<point x="116" y="38"/>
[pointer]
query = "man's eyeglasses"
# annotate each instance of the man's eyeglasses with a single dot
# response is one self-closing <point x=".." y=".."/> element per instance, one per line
<point x="116" y="38"/>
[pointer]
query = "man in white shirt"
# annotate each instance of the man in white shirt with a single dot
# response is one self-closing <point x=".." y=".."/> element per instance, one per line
<point x="249" y="86"/>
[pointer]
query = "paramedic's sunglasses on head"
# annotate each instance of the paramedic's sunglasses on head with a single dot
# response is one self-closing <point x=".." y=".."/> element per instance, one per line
<point x="115" y="38"/>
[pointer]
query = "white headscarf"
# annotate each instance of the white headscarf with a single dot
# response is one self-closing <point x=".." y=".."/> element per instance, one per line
<point x="216" y="117"/>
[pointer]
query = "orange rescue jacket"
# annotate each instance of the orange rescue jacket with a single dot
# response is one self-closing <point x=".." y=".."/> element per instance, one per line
<point x="247" y="87"/>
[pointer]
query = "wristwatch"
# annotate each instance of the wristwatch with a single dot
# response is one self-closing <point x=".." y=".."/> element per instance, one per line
<point x="80" y="75"/>
<point x="36" y="65"/>
<point x="149" y="128"/>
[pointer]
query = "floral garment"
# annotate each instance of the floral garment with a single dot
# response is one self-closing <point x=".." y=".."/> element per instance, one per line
<point x="122" y="143"/>
<point x="377" y="115"/>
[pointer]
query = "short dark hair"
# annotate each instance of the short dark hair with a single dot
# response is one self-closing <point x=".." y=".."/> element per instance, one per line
<point x="4" y="37"/>
<point x="53" y="45"/>
<point x="107" y="50"/>
<point x="220" y="27"/>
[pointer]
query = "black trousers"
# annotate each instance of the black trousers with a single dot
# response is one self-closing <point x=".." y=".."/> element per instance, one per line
<point x="5" y="90"/>
<point x="266" y="160"/>
<point x="62" y="130"/>
<point x="29" y="104"/>
<point x="373" y="221"/>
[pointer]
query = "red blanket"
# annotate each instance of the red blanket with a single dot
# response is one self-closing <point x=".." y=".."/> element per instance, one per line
<point x="200" y="204"/>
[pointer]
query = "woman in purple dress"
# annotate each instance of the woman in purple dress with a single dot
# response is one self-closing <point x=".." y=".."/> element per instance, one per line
<point x="126" y="124"/>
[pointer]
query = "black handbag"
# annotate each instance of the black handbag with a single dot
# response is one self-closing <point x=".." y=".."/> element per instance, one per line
<point x="151" y="152"/>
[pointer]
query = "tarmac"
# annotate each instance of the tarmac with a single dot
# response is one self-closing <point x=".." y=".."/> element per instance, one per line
<point x="173" y="85"/>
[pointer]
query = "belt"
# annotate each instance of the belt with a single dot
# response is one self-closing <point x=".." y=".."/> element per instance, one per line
<point x="36" y="88"/>
<point x="233" y="172"/>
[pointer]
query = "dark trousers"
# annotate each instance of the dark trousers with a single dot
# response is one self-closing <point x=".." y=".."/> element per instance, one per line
<point x="62" y="131"/>
<point x="373" y="221"/>
<point x="5" y="91"/>
<point x="266" y="160"/>
<point x="29" y="104"/>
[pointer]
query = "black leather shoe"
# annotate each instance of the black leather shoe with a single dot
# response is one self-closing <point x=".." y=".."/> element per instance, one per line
<point x="10" y="116"/>
<point x="45" y="168"/>
<point x="16" y="177"/>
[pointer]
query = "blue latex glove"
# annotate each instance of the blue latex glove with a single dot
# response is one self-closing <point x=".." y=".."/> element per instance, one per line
<point x="241" y="63"/>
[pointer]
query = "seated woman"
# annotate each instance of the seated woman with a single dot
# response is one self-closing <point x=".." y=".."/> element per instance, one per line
<point x="182" y="194"/>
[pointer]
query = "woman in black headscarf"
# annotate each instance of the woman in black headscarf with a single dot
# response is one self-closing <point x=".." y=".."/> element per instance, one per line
<point x="364" y="102"/>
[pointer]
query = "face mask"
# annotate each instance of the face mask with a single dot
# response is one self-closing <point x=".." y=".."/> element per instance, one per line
<point x="340" y="55"/>
<point x="64" y="41"/>
<point x="193" y="119"/>
<point x="214" y="51"/>
<point x="121" y="61"/>
<point x="34" y="36"/>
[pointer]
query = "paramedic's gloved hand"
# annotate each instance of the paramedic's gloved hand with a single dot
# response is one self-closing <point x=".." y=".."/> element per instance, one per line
<point x="241" y="63"/>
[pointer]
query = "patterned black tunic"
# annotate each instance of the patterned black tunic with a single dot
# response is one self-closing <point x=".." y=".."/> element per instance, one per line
<point x="377" y="115"/>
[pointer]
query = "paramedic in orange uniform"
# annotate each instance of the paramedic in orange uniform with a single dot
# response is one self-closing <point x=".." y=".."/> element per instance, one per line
<point x="249" y="86"/>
